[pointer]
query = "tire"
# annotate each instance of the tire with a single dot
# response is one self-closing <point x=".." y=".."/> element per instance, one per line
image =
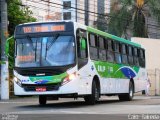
<point x="42" y="100"/>
<point x="94" y="97"/>
<point x="128" y="96"/>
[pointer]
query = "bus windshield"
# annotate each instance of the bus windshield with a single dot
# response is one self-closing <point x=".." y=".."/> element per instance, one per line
<point x="45" y="51"/>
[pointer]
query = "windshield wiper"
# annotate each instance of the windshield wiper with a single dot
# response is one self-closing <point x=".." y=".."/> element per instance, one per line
<point x="53" y="41"/>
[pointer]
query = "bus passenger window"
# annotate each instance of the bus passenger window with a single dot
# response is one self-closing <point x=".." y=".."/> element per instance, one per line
<point x="93" y="48"/>
<point x="135" y="58"/>
<point x="102" y="51"/>
<point x="110" y="45"/>
<point x="118" y="58"/>
<point x="93" y="53"/>
<point x="92" y="40"/>
<point x="101" y="43"/>
<point x="141" y="58"/>
<point x="130" y="55"/>
<point x="110" y="52"/>
<point x="124" y="54"/>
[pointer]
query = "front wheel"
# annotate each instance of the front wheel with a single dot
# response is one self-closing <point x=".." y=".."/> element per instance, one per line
<point x="128" y="96"/>
<point x="42" y="100"/>
<point x="91" y="99"/>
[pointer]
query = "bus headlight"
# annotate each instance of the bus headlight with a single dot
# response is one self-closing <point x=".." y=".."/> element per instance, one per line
<point x="17" y="81"/>
<point x="69" y="78"/>
<point x="72" y="76"/>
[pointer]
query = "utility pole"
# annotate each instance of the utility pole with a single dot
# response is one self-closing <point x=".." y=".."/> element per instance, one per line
<point x="86" y="12"/>
<point x="4" y="59"/>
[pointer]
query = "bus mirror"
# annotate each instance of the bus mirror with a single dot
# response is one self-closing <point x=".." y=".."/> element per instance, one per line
<point x="7" y="46"/>
<point x="83" y="44"/>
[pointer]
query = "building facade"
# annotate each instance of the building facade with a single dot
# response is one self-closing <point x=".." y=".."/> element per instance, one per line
<point x="44" y="10"/>
<point x="88" y="12"/>
<point x="152" y="62"/>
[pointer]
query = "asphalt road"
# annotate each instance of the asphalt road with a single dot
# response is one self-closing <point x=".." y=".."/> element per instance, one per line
<point x="107" y="108"/>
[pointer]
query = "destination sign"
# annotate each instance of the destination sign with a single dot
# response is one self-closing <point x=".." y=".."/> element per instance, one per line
<point x="44" y="28"/>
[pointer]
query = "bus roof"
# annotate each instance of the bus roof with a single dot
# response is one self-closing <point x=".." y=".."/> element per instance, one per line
<point x="93" y="30"/>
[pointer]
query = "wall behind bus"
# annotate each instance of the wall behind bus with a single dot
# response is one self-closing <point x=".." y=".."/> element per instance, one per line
<point x="152" y="47"/>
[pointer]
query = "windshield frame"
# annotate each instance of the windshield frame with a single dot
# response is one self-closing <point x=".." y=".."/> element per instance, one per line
<point x="44" y="67"/>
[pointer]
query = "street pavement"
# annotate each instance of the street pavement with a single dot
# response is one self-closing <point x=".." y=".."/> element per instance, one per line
<point x="108" y="107"/>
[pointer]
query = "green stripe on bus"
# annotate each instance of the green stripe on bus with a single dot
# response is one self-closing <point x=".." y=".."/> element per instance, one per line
<point x="112" y="70"/>
<point x="50" y="79"/>
<point x="107" y="35"/>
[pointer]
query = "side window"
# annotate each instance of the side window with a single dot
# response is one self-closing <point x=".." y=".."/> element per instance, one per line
<point x="102" y="51"/>
<point x="135" y="58"/>
<point x="118" y="58"/>
<point x="93" y="46"/>
<point x="130" y="55"/>
<point x="110" y="45"/>
<point x="141" y="58"/>
<point x="124" y="54"/>
<point x="110" y="51"/>
<point x="101" y="42"/>
<point x="92" y="40"/>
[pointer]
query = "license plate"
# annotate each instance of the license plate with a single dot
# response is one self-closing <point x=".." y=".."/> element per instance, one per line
<point x="40" y="89"/>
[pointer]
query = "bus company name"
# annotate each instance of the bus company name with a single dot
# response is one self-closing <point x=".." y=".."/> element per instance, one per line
<point x="101" y="68"/>
<point x="24" y="81"/>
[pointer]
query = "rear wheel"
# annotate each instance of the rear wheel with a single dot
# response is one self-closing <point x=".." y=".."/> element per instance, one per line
<point x="42" y="100"/>
<point x="91" y="99"/>
<point x="128" y="96"/>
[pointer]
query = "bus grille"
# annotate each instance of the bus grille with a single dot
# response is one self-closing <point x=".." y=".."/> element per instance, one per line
<point x="51" y="87"/>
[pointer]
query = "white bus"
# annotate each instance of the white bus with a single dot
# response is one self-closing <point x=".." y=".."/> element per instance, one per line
<point x="68" y="59"/>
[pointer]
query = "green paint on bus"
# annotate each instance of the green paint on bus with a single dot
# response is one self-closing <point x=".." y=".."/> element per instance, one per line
<point x="49" y="79"/>
<point x="112" y="70"/>
<point x="107" y="35"/>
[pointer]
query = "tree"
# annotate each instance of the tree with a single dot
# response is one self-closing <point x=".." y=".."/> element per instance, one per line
<point x="132" y="14"/>
<point x="17" y="14"/>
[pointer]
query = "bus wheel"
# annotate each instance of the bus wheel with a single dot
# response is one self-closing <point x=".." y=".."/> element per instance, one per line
<point x="42" y="100"/>
<point x="91" y="99"/>
<point x="129" y="95"/>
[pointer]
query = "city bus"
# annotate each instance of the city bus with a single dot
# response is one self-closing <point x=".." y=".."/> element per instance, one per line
<point x="65" y="59"/>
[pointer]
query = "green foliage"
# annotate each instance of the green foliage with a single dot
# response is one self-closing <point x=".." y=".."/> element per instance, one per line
<point x="117" y="24"/>
<point x="11" y="54"/>
<point x="17" y="14"/>
<point x="128" y="16"/>
<point x="139" y="28"/>
<point x="101" y="23"/>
